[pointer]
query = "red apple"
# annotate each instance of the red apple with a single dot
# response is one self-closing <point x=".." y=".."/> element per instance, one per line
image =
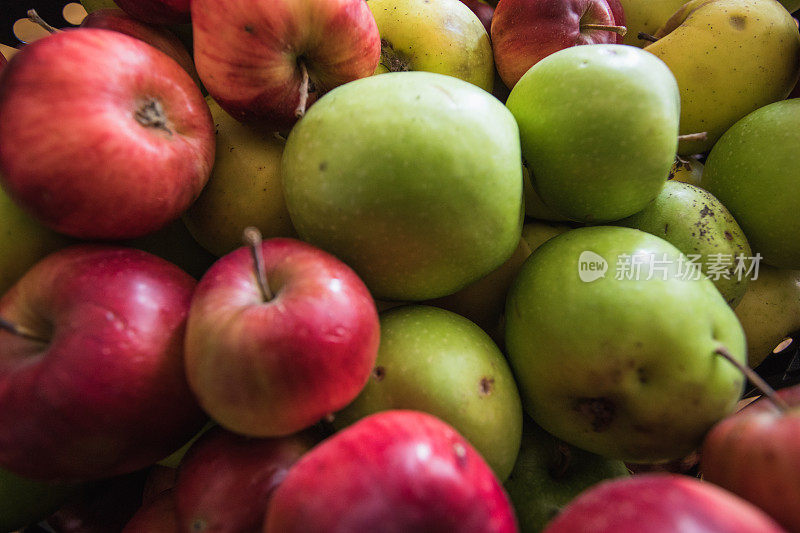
<point x="157" y="11"/>
<point x="158" y="36"/>
<point x="526" y="31"/>
<point x="226" y="480"/>
<point x="252" y="54"/>
<point x="159" y="516"/>
<point x="103" y="136"/>
<point x="755" y="454"/>
<point x="394" y="471"/>
<point x="92" y="384"/>
<point x="272" y="361"/>
<point x="482" y="10"/>
<point x="660" y="503"/>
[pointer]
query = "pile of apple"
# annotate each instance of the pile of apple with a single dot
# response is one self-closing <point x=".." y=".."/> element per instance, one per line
<point x="578" y="219"/>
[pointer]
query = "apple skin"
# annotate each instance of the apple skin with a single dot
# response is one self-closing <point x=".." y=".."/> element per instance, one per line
<point x="157" y="11"/>
<point x="273" y="368"/>
<point x="247" y="52"/>
<point x="483" y="11"/>
<point x="161" y="38"/>
<point x="98" y="171"/>
<point x="159" y="516"/>
<point x="392" y="472"/>
<point x="661" y="503"/>
<point x="433" y="213"/>
<point x="526" y="31"/>
<point x="83" y="405"/>
<point x="753" y="454"/>
<point x="226" y="480"/>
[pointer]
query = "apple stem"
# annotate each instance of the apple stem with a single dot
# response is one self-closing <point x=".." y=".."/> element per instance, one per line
<point x="301" y="106"/>
<point x="702" y="136"/>
<point x="20" y="331"/>
<point x="33" y="16"/>
<point x="647" y="37"/>
<point x="755" y="379"/>
<point x="619" y="30"/>
<point x="252" y="237"/>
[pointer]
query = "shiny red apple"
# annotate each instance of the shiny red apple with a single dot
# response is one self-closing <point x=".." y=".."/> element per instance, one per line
<point x="158" y="36"/>
<point x="526" y="31"/>
<point x="393" y="472"/>
<point x="226" y="480"/>
<point x="272" y="357"/>
<point x="103" y="136"/>
<point x="660" y="503"/>
<point x="755" y="453"/>
<point x="267" y="60"/>
<point x="157" y="11"/>
<point x="92" y="382"/>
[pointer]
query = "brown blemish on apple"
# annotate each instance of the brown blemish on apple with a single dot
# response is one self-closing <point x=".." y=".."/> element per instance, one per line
<point x="379" y="373"/>
<point x="599" y="411"/>
<point x="729" y="236"/>
<point x="150" y="114"/>
<point x="738" y="22"/>
<point x="487" y="384"/>
<point x="391" y="59"/>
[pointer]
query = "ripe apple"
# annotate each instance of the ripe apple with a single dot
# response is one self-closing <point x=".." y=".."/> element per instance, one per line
<point x="244" y="188"/>
<point x="226" y="480"/>
<point x="268" y="60"/>
<point x="444" y="36"/>
<point x="753" y="454"/>
<point x="159" y="516"/>
<point x="393" y="471"/>
<point x="157" y="11"/>
<point x="103" y="136"/>
<point x="661" y="503"/>
<point x="436" y="211"/>
<point x="438" y="362"/>
<point x="92" y="382"/>
<point x="618" y="357"/>
<point x="613" y="155"/>
<point x="751" y="171"/>
<point x="646" y="16"/>
<point x="549" y="473"/>
<point x="160" y="37"/>
<point x="526" y="31"/>
<point x="687" y="170"/>
<point x="274" y="347"/>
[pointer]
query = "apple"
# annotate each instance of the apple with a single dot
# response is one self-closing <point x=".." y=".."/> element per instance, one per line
<point x="226" y="480"/>
<point x="393" y="471"/>
<point x="444" y="36"/>
<point x="616" y="350"/>
<point x="661" y="503"/>
<point x="159" y="516"/>
<point x="753" y="454"/>
<point x="268" y="60"/>
<point x="244" y="188"/>
<point x="613" y="155"/>
<point x="420" y="202"/>
<point x="646" y="16"/>
<point x="94" y="5"/>
<point x="159" y="479"/>
<point x="103" y="136"/>
<point x="526" y="31"/>
<point x="157" y="11"/>
<point x="25" y="501"/>
<point x="161" y="38"/>
<point x="279" y="335"/>
<point x="483" y="10"/>
<point x="91" y="379"/>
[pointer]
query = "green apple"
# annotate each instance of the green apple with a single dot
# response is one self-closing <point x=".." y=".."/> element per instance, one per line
<point x="174" y="243"/>
<point x="769" y="311"/>
<point x="753" y="171"/>
<point x="444" y="36"/>
<point x="24" y="502"/>
<point x="244" y="188"/>
<point x="599" y="127"/>
<point x="646" y="16"/>
<point x="483" y="301"/>
<point x="699" y="226"/>
<point x="94" y="5"/>
<point x="618" y="359"/>
<point x="23" y="241"/>
<point x="414" y="179"/>
<point x="438" y="362"/>
<point x="534" y="206"/>
<point x="549" y="473"/>
<point x="687" y="170"/>
<point x="730" y="57"/>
